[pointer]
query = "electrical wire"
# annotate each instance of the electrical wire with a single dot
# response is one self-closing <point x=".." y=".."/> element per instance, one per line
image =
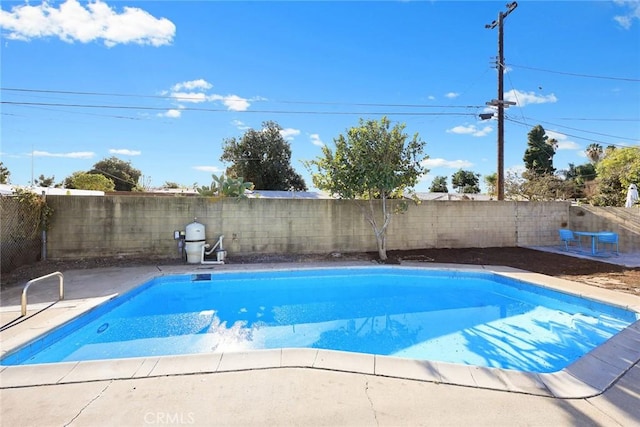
<point x="524" y="119"/>
<point x="84" y="113"/>
<point x="56" y="106"/>
<point x="591" y="76"/>
<point x="178" y="98"/>
<point x="219" y="110"/>
<point x="568" y="134"/>
<point x="600" y="119"/>
<point x="580" y="130"/>
<point x="515" y="93"/>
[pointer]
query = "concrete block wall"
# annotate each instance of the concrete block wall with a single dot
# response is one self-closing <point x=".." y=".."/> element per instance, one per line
<point x="538" y="222"/>
<point x="87" y="226"/>
<point x="600" y="219"/>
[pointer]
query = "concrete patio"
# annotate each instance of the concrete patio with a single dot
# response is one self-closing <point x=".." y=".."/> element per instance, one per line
<point x="627" y="259"/>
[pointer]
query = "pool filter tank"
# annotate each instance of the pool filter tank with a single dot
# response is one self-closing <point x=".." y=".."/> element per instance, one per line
<point x="193" y="241"/>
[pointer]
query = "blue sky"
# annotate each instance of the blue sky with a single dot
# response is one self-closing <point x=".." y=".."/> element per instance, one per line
<point x="180" y="77"/>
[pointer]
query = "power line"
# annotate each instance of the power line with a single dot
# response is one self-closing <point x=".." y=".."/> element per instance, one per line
<point x="218" y="110"/>
<point x="591" y="76"/>
<point x="515" y="94"/>
<point x="85" y="113"/>
<point x="587" y="131"/>
<point x="367" y="104"/>
<point x="600" y="119"/>
<point x="178" y="98"/>
<point x="573" y="136"/>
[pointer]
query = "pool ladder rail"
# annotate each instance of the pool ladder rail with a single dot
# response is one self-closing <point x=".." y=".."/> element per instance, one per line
<point x="30" y="282"/>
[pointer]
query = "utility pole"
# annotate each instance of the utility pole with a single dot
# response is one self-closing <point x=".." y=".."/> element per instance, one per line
<point x="500" y="103"/>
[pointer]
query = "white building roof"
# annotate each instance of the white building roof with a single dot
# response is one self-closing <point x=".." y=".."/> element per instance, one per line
<point x="7" y="190"/>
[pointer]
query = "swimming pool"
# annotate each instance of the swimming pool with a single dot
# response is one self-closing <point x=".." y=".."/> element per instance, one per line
<point x="472" y="318"/>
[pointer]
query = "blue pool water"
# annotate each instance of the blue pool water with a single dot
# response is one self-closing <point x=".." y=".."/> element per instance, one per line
<point x="473" y="318"/>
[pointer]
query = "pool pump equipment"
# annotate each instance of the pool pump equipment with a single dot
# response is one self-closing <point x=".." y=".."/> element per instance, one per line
<point x="195" y="246"/>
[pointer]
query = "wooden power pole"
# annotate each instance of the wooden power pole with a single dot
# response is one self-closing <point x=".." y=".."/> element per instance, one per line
<point x="500" y="102"/>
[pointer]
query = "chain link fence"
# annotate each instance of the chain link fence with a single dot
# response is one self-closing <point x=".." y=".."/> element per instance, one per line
<point x="21" y="237"/>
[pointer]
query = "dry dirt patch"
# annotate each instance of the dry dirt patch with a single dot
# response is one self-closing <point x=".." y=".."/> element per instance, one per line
<point x="587" y="271"/>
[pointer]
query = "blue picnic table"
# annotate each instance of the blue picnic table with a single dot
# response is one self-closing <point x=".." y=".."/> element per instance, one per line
<point x="594" y="235"/>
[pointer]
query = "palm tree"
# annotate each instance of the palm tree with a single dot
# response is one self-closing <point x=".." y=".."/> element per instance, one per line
<point x="594" y="152"/>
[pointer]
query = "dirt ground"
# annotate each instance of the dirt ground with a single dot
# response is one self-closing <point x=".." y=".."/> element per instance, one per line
<point x="577" y="269"/>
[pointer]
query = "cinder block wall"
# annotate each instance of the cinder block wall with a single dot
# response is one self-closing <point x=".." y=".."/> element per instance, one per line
<point x="87" y="226"/>
<point x="538" y="222"/>
<point x="600" y="219"/>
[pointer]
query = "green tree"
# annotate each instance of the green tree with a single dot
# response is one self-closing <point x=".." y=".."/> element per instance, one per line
<point x="514" y="186"/>
<point x="264" y="158"/>
<point x="171" y="185"/>
<point x="545" y="187"/>
<point x="4" y="174"/>
<point x="609" y="150"/>
<point x="68" y="181"/>
<point x="439" y="185"/>
<point x="576" y="178"/>
<point x="581" y="173"/>
<point x="43" y="181"/>
<point x="530" y="186"/>
<point x="371" y="161"/>
<point x="538" y="157"/>
<point x="619" y="168"/>
<point x="594" y="153"/>
<point x="491" y="181"/>
<point x="466" y="182"/>
<point x="92" y="181"/>
<point x="124" y="176"/>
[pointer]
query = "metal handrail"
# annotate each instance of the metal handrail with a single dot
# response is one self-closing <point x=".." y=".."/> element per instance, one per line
<point x="30" y="282"/>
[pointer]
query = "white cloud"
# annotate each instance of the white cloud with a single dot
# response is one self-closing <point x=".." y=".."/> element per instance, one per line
<point x="632" y="13"/>
<point x="191" y="85"/>
<point x="568" y="145"/>
<point x="73" y="22"/>
<point x="315" y="139"/>
<point x="72" y="155"/>
<point x="233" y="102"/>
<point x="195" y="92"/>
<point x="442" y="163"/>
<point x="240" y="125"/>
<point x="431" y="98"/>
<point x="471" y="130"/>
<point x="289" y="133"/>
<point x="563" y="142"/>
<point x="125" y="152"/>
<point x="194" y="97"/>
<point x="452" y="95"/>
<point x="523" y="98"/>
<point x="172" y="114"/>
<point x="427" y="177"/>
<point x="212" y="169"/>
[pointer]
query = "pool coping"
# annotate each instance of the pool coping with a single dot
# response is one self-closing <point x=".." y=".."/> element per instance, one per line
<point x="589" y="376"/>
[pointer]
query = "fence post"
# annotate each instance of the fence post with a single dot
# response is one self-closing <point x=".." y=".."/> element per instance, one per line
<point x="43" y="249"/>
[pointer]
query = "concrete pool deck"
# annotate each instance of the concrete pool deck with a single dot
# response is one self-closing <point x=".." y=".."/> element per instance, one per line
<point x="626" y="259"/>
<point x="301" y="386"/>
